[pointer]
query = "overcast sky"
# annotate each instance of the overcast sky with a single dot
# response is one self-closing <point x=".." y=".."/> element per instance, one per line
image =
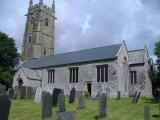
<point x="83" y="24"/>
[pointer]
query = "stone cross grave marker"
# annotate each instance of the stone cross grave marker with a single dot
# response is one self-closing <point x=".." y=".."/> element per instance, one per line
<point x="72" y="95"/>
<point x="2" y="89"/>
<point x="81" y="100"/>
<point x="146" y="112"/>
<point x="46" y="105"/>
<point x="137" y="98"/>
<point x="11" y="93"/>
<point x="38" y="95"/>
<point x="55" y="95"/>
<point x="102" y="106"/>
<point x="134" y="97"/>
<point x="5" y="105"/>
<point x="61" y="102"/>
<point x="29" y="92"/>
<point x="66" y="115"/>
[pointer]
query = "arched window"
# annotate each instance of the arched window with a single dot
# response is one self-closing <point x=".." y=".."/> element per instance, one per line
<point x="46" y="22"/>
<point x="30" y="38"/>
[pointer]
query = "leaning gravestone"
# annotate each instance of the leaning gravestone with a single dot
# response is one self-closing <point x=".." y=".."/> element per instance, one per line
<point x="102" y="106"/>
<point x="137" y="98"/>
<point x="119" y="95"/>
<point x="81" y="101"/>
<point x="5" y="105"/>
<point x="55" y="94"/>
<point x="22" y="92"/>
<point x="66" y="115"/>
<point x="11" y="93"/>
<point x="61" y="102"/>
<point x="146" y="112"/>
<point x="2" y="89"/>
<point x="134" y="97"/>
<point x="46" y="105"/>
<point x="29" y="92"/>
<point x="38" y="95"/>
<point x="72" y="95"/>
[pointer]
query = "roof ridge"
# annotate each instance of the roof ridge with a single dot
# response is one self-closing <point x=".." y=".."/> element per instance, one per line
<point x="87" y="49"/>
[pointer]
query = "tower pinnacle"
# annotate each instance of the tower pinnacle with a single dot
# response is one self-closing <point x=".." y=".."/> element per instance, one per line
<point x="53" y="5"/>
<point x="30" y="3"/>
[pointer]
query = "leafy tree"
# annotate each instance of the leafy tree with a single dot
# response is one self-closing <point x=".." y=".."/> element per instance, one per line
<point x="9" y="59"/>
<point x="157" y="53"/>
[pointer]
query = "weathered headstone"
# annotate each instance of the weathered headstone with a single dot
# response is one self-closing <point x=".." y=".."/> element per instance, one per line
<point x="38" y="95"/>
<point x="72" y="95"/>
<point x="11" y="93"/>
<point x="119" y="95"/>
<point x="66" y="115"/>
<point x="137" y="98"/>
<point x="61" y="102"/>
<point x="22" y="92"/>
<point x="102" y="106"/>
<point x="5" y="104"/>
<point x="29" y="92"/>
<point x="55" y="94"/>
<point x="16" y="92"/>
<point x="46" y="105"/>
<point x="134" y="97"/>
<point x="108" y="92"/>
<point x="146" y="112"/>
<point x="81" y="101"/>
<point x="2" y="89"/>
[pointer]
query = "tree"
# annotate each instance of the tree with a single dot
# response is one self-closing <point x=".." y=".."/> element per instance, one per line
<point x="157" y="53"/>
<point x="9" y="59"/>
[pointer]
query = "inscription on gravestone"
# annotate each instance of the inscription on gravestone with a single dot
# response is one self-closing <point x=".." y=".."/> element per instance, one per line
<point x="61" y="102"/>
<point x="46" y="105"/>
<point x="81" y="100"/>
<point x="66" y="116"/>
<point x="146" y="112"/>
<point x="55" y="94"/>
<point x="5" y="105"/>
<point x="134" y="97"/>
<point x="102" y="106"/>
<point x="72" y="95"/>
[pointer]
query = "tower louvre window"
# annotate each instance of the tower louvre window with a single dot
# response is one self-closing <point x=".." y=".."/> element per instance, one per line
<point x="46" y="22"/>
<point x="102" y="73"/>
<point x="30" y="38"/>
<point x="133" y="77"/>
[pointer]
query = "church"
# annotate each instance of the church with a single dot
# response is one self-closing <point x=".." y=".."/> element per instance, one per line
<point x="108" y="69"/>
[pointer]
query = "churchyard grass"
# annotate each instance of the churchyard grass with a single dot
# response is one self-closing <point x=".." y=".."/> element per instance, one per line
<point x="122" y="109"/>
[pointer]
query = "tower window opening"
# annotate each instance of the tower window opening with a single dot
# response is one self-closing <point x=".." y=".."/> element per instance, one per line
<point x="30" y="38"/>
<point x="44" y="51"/>
<point x="46" y="22"/>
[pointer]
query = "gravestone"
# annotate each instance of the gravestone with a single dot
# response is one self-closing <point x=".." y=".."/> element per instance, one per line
<point x="146" y="112"/>
<point x="29" y="92"/>
<point x="16" y="92"/>
<point x="2" y="89"/>
<point x="102" y="106"/>
<point x="22" y="92"/>
<point x="134" y="97"/>
<point x="55" y="94"/>
<point x="66" y="115"/>
<point x="38" y="95"/>
<point x="11" y="93"/>
<point x="61" y="102"/>
<point x="46" y="105"/>
<point x="119" y="95"/>
<point x="81" y="101"/>
<point x="72" y="95"/>
<point x="108" y="92"/>
<point x="137" y="98"/>
<point x="5" y="105"/>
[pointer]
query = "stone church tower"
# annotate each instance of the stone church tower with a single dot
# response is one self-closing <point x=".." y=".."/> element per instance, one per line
<point x="38" y="38"/>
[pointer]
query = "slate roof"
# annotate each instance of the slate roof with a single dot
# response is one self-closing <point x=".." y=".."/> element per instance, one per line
<point x="88" y="55"/>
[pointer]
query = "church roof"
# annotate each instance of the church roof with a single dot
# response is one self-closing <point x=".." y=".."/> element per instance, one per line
<point x="88" y="55"/>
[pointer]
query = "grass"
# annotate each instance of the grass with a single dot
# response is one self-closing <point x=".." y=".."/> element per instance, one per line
<point x="117" y="110"/>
